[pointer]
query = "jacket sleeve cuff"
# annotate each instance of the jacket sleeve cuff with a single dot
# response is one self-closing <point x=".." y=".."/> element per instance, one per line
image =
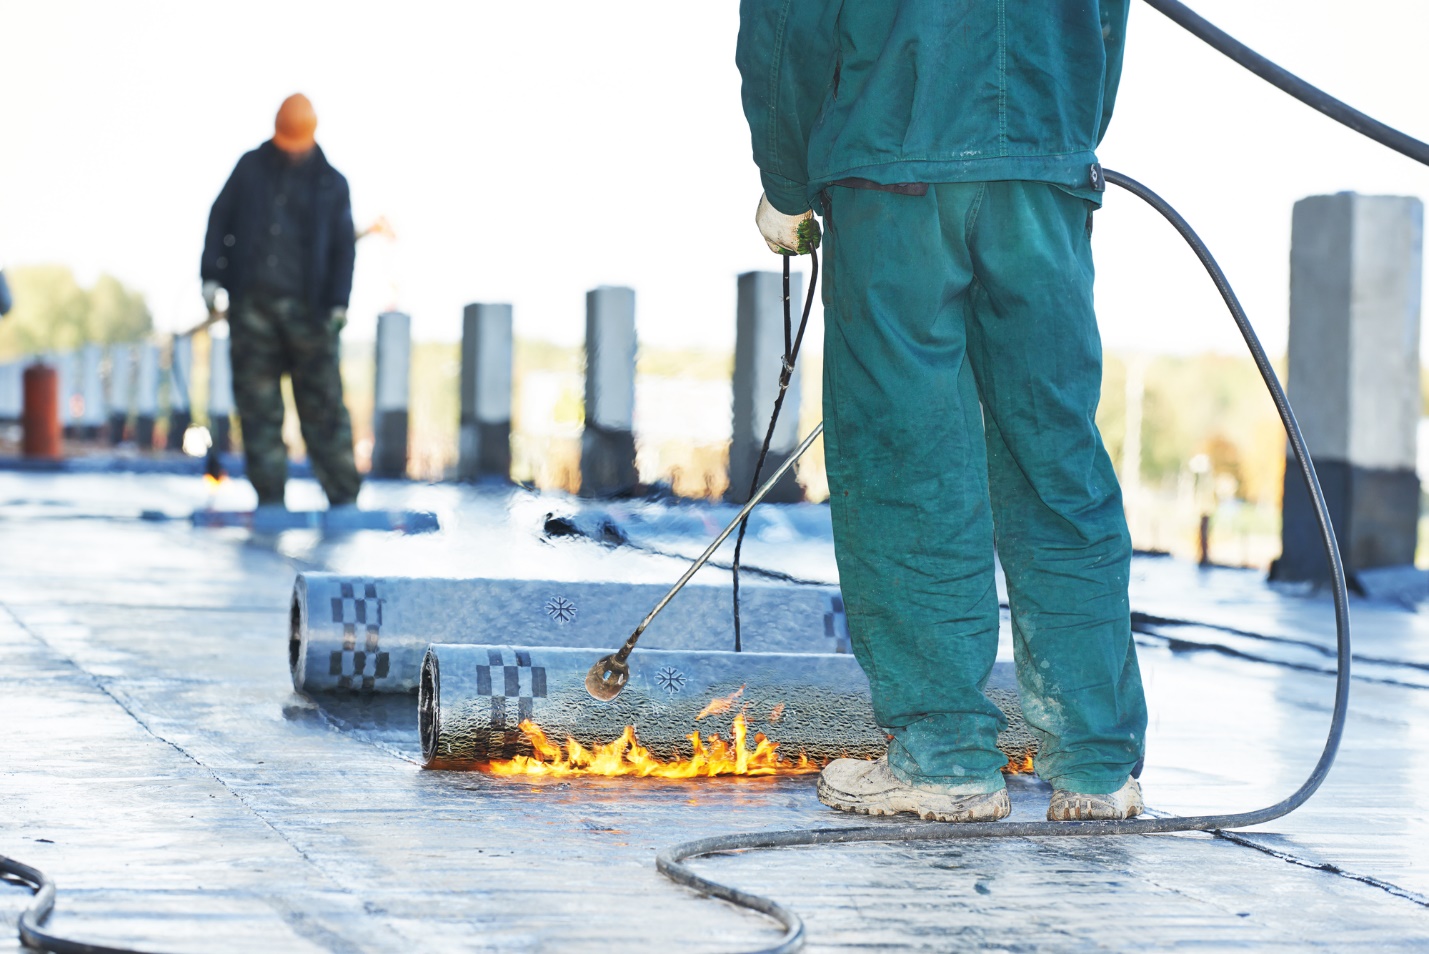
<point x="786" y="195"/>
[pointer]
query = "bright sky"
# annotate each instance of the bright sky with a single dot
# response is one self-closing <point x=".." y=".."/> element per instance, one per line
<point x="528" y="152"/>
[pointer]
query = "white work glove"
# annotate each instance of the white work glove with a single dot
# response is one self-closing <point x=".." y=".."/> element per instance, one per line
<point x="210" y="294"/>
<point x="786" y="234"/>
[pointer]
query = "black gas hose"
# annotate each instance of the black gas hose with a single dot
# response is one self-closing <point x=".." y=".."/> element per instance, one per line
<point x="44" y="902"/>
<point x="793" y="340"/>
<point x="1288" y="82"/>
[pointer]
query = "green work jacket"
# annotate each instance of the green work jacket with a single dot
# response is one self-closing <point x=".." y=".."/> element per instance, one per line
<point x="928" y="91"/>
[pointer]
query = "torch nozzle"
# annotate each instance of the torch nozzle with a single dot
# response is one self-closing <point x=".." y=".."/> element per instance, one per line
<point x="607" y="677"/>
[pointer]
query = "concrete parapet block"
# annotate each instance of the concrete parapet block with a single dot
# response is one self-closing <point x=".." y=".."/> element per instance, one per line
<point x="121" y="389"/>
<point x="607" y="462"/>
<point x="66" y="365"/>
<point x="485" y="428"/>
<point x="1355" y="282"/>
<point x="608" y="444"/>
<point x="391" y="394"/>
<point x="146" y="396"/>
<point x="95" y="414"/>
<point x="758" y="361"/>
<point x="220" y="391"/>
<point x="180" y="378"/>
<point x="12" y="391"/>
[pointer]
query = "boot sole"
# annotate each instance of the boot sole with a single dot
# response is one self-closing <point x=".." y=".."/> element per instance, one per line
<point x="1081" y="815"/>
<point x="996" y="810"/>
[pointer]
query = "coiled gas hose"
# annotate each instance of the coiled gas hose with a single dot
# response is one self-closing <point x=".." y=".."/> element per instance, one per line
<point x="670" y="862"/>
<point x="44" y="901"/>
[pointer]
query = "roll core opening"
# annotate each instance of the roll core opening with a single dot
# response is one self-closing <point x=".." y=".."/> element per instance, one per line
<point x="427" y="695"/>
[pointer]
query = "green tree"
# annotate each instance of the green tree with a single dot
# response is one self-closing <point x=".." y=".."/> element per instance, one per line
<point x="1203" y="404"/>
<point x="54" y="313"/>
<point x="117" y="314"/>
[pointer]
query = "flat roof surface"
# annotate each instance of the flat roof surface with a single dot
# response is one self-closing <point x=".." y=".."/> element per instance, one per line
<point x="156" y="762"/>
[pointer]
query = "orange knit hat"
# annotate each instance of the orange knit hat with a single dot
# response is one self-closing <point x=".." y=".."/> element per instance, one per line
<point x="296" y="122"/>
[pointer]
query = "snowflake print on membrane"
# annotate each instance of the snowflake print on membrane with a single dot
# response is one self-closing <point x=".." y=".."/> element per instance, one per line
<point x="560" y="609"/>
<point x="670" y="679"/>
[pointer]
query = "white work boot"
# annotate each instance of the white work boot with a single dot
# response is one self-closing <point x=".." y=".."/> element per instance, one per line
<point x="1125" y="802"/>
<point x="871" y="788"/>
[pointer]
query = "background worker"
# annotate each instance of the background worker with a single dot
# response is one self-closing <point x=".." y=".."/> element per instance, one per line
<point x="949" y="145"/>
<point x="281" y="243"/>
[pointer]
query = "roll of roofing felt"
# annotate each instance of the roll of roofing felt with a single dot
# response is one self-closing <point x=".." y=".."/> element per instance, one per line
<point x="368" y="634"/>
<point x="474" y="699"/>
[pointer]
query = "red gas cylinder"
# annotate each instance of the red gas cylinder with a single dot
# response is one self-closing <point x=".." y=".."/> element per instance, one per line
<point x="42" y="412"/>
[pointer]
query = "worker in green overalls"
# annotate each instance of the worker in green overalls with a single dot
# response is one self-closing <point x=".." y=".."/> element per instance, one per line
<point x="949" y="146"/>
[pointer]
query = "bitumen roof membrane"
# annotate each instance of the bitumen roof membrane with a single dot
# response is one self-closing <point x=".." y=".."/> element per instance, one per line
<point x="156" y="761"/>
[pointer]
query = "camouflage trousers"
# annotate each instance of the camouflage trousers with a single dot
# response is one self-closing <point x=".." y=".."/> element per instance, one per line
<point x="276" y="336"/>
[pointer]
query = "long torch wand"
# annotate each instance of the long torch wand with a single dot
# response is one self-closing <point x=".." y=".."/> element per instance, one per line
<point x="610" y="673"/>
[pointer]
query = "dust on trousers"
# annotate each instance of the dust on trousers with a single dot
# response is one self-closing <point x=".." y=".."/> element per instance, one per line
<point x="277" y="336"/>
<point x="962" y="370"/>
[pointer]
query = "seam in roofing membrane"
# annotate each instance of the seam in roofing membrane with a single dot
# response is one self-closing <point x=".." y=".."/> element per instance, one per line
<point x="1385" y="886"/>
<point x="100" y="685"/>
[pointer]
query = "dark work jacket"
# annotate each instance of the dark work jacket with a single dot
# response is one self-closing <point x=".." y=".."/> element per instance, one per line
<point x="896" y="91"/>
<point x="240" y="214"/>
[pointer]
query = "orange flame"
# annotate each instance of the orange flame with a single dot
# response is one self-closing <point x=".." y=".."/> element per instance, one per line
<point x="721" y="705"/>
<point x="1016" y="766"/>
<point x="626" y="756"/>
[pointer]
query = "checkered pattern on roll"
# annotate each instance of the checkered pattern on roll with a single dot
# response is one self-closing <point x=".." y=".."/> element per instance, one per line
<point x="358" y="606"/>
<point x="517" y="682"/>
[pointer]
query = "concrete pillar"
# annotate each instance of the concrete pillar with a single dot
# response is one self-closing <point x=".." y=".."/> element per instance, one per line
<point x="65" y="365"/>
<point x="146" y="400"/>
<point x="95" y="417"/>
<point x="1354" y="379"/>
<point x="485" y="437"/>
<point x="758" y="359"/>
<point x="220" y="391"/>
<point x="121" y="389"/>
<point x="608" y="443"/>
<point x="12" y="392"/>
<point x="181" y="367"/>
<point x="392" y="394"/>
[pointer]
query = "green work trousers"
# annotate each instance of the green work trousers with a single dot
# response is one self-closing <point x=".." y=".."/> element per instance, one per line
<point x="962" y="370"/>
<point x="277" y="336"/>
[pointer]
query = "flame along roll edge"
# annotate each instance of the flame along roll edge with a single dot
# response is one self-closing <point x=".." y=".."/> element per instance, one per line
<point x="368" y="634"/>
<point x="473" y="698"/>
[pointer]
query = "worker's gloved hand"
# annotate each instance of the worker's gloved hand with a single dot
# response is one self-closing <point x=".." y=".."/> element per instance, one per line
<point x="338" y="319"/>
<point x="787" y="234"/>
<point x="210" y="294"/>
